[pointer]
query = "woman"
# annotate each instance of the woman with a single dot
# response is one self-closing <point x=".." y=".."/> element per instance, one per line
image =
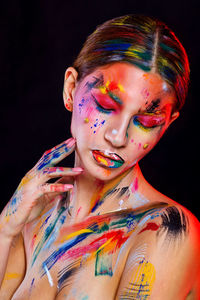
<point x="101" y="231"/>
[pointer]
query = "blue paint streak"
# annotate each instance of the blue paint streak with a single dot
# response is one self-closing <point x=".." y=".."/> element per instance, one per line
<point x="56" y="255"/>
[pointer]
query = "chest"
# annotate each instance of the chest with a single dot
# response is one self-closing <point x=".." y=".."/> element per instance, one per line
<point x="85" y="259"/>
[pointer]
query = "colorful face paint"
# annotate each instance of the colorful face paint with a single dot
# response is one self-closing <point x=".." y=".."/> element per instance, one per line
<point x="115" y="107"/>
<point x="110" y="160"/>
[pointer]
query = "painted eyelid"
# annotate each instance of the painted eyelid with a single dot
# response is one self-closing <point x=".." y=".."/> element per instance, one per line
<point x="100" y="105"/>
<point x="155" y="120"/>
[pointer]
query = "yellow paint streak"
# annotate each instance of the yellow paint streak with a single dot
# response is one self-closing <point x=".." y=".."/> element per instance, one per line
<point x="25" y="180"/>
<point x="121" y="22"/>
<point x="73" y="234"/>
<point x="103" y="89"/>
<point x="144" y="275"/>
<point x="121" y="88"/>
<point x="134" y="52"/>
<point x="9" y="276"/>
<point x="104" y="245"/>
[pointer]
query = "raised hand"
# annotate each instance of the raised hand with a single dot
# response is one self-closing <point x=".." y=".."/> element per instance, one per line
<point x="34" y="193"/>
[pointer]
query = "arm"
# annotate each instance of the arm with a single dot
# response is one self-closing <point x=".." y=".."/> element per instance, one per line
<point x="164" y="261"/>
<point x="12" y="262"/>
<point x="29" y="200"/>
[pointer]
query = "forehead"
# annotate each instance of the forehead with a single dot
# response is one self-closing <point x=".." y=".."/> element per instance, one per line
<point x="129" y="82"/>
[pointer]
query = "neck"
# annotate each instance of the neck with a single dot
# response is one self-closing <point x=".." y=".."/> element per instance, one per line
<point x="93" y="197"/>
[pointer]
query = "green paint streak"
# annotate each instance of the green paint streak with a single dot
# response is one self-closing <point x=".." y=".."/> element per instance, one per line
<point x="167" y="48"/>
<point x="103" y="264"/>
<point x="46" y="235"/>
<point x="103" y="228"/>
<point x="115" y="98"/>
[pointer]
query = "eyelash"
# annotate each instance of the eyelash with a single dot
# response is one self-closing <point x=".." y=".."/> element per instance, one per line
<point x="138" y="124"/>
<point x="101" y="108"/>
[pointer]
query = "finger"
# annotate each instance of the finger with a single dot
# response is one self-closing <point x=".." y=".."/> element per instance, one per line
<point x="52" y="188"/>
<point x="56" y="154"/>
<point x="54" y="172"/>
<point x="60" y="171"/>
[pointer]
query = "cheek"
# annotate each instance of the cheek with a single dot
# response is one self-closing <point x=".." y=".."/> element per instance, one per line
<point x="86" y="120"/>
<point x="141" y="142"/>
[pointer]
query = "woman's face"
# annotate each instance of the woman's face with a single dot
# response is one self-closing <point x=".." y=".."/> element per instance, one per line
<point x="119" y="114"/>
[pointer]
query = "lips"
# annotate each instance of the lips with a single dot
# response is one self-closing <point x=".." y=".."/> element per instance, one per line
<point x="107" y="159"/>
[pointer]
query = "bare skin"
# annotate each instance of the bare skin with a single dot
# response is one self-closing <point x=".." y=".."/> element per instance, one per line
<point x="101" y="231"/>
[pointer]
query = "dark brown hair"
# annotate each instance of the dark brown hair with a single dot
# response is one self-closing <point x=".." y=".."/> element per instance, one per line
<point x="142" y="41"/>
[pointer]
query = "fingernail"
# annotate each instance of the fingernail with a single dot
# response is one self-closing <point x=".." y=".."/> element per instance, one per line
<point x="67" y="186"/>
<point x="77" y="169"/>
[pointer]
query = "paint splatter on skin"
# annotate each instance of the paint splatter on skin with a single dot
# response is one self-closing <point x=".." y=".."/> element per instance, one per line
<point x="101" y="194"/>
<point x="50" y="279"/>
<point x="45" y="165"/>
<point x="153" y="106"/>
<point x="97" y="124"/>
<point x="9" y="276"/>
<point x="113" y="234"/>
<point x="174" y="223"/>
<point x="32" y="286"/>
<point x="66" y="274"/>
<point x="46" y="235"/>
<point x="150" y="226"/>
<point x="142" y="281"/>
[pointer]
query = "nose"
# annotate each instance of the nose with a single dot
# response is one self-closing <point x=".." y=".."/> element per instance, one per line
<point x="117" y="132"/>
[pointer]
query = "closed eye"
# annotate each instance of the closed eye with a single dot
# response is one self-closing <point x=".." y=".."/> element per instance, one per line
<point x="149" y="122"/>
<point x="101" y="108"/>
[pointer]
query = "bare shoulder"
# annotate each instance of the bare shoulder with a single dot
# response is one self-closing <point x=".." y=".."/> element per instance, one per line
<point x="163" y="262"/>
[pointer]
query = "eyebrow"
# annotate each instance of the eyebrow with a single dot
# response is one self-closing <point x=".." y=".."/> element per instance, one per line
<point x="99" y="82"/>
<point x="153" y="106"/>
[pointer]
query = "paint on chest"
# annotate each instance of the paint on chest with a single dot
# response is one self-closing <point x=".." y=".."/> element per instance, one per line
<point x="98" y="238"/>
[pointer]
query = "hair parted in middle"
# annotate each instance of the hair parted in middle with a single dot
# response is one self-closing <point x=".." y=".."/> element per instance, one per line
<point x="142" y="41"/>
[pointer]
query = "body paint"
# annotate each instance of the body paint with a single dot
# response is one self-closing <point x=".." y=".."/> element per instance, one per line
<point x="174" y="223"/>
<point x="114" y="233"/>
<point x="150" y="226"/>
<point x="142" y="281"/>
<point x="46" y="235"/>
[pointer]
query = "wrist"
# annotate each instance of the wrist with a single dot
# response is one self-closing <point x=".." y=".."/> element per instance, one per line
<point x="6" y="233"/>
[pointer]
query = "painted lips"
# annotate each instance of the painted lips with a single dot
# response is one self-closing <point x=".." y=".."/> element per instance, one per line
<point x="107" y="159"/>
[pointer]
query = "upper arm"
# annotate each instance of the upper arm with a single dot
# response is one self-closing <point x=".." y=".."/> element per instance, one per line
<point x="163" y="263"/>
<point x="15" y="269"/>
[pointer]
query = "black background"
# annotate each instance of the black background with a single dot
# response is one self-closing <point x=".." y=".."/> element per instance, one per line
<point x="38" y="41"/>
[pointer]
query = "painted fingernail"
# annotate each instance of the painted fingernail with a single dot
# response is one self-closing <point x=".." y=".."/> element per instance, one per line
<point x="67" y="186"/>
<point x="77" y="169"/>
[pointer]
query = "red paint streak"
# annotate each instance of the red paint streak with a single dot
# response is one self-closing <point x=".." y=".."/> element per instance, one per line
<point x="33" y="241"/>
<point x="78" y="211"/>
<point x="105" y="101"/>
<point x="117" y="237"/>
<point x="150" y="226"/>
<point x="134" y="185"/>
<point x="113" y="86"/>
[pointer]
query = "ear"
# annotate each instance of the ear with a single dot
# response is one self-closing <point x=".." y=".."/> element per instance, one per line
<point x="69" y="87"/>
<point x="173" y="117"/>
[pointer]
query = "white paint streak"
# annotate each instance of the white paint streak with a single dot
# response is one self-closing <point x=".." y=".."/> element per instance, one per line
<point x="48" y="275"/>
